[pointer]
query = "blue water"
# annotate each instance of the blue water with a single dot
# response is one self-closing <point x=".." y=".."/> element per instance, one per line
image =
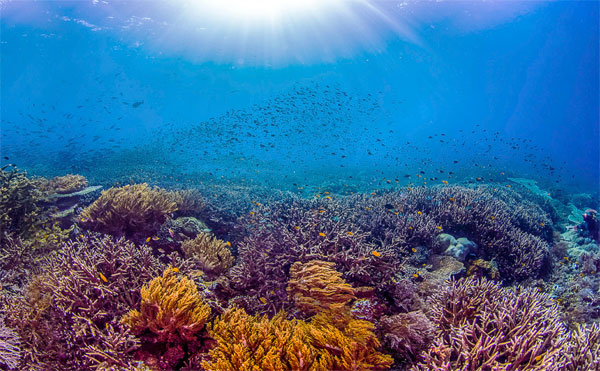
<point x="354" y="92"/>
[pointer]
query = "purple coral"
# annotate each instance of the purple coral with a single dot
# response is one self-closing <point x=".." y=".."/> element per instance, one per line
<point x="10" y="352"/>
<point x="484" y="326"/>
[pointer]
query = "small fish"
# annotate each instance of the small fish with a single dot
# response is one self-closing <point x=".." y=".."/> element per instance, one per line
<point x="263" y="300"/>
<point x="137" y="104"/>
<point x="410" y="227"/>
<point x="416" y="275"/>
<point x="148" y="239"/>
<point x="103" y="278"/>
<point x="414" y="250"/>
<point x="542" y="224"/>
<point x="439" y="228"/>
<point x="538" y="358"/>
<point x="419" y="213"/>
<point x="176" y="270"/>
<point x="251" y="212"/>
<point x="492" y="217"/>
<point x="452" y="199"/>
<point x="375" y="253"/>
<point x="171" y="233"/>
<point x="228" y="243"/>
<point x="155" y="238"/>
<point x="328" y="197"/>
<point x="297" y="227"/>
<point x="350" y="233"/>
<point x="321" y="234"/>
<point x="445" y="182"/>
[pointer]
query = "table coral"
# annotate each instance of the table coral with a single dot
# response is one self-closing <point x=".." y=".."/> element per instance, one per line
<point x="316" y="286"/>
<point x="171" y="309"/>
<point x="211" y="254"/>
<point x="134" y="211"/>
<point x="67" y="184"/>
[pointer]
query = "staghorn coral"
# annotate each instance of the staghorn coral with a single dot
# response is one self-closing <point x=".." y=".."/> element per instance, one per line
<point x="300" y="231"/>
<point x="246" y="342"/>
<point x="316" y="286"/>
<point x="584" y="348"/>
<point x="19" y="202"/>
<point x="190" y="202"/>
<point x="67" y="184"/>
<point x="67" y="315"/>
<point x="134" y="211"/>
<point x="10" y="351"/>
<point x="483" y="326"/>
<point x="507" y="228"/>
<point x="171" y="308"/>
<point x="211" y="255"/>
<point x="406" y="334"/>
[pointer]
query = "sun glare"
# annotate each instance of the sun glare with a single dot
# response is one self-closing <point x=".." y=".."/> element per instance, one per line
<point x="264" y="10"/>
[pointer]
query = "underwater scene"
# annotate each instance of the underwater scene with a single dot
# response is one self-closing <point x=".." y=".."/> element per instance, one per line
<point x="299" y="185"/>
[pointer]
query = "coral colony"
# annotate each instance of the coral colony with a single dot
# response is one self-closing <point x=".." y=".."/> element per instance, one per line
<point x="447" y="277"/>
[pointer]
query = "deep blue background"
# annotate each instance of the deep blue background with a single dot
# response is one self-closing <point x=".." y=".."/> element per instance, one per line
<point x="512" y="86"/>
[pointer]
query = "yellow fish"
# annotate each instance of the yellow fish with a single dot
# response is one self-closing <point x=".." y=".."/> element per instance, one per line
<point x="263" y="300"/>
<point x="148" y="239"/>
<point x="439" y="228"/>
<point x="228" y="243"/>
<point x="176" y="270"/>
<point x="350" y="233"/>
<point x="328" y="197"/>
<point x="103" y="278"/>
<point x="445" y="182"/>
<point x="414" y="250"/>
<point x="375" y="253"/>
<point x="419" y="213"/>
<point x="321" y="234"/>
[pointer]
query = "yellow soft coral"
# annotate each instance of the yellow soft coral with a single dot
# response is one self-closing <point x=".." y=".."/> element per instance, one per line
<point x="171" y="308"/>
<point x="212" y="254"/>
<point x="133" y="210"/>
<point x="316" y="286"/>
<point x="257" y="343"/>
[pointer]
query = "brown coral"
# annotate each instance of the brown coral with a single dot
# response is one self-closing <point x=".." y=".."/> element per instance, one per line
<point x="257" y="343"/>
<point x="316" y="286"/>
<point x="584" y="351"/>
<point x="67" y="184"/>
<point x="171" y="308"/>
<point x="211" y="254"/>
<point x="135" y="211"/>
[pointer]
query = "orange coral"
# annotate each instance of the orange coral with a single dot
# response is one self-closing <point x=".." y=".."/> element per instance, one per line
<point x="212" y="254"/>
<point x="316" y="286"/>
<point x="171" y="308"/>
<point x="257" y="343"/>
<point x="247" y="342"/>
<point x="133" y="210"/>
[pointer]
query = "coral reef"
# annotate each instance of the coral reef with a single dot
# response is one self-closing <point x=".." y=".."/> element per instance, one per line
<point x="406" y="335"/>
<point x="171" y="309"/>
<point x="316" y="287"/>
<point x="69" y="183"/>
<point x="584" y="348"/>
<point x="301" y="231"/>
<point x="68" y="315"/>
<point x="190" y="202"/>
<point x="211" y="255"/>
<point x="481" y="325"/>
<point x="19" y="202"/>
<point x="10" y="352"/>
<point x="134" y="211"/>
<point x="246" y="342"/>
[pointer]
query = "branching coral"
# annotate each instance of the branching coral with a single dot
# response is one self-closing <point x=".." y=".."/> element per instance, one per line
<point x="171" y="309"/>
<point x="67" y="184"/>
<point x="134" y="211"/>
<point x="584" y="348"/>
<point x="316" y="286"/>
<point x="190" y="202"/>
<point x="69" y="308"/>
<point x="257" y="343"/>
<point x="10" y="351"/>
<point x="299" y="232"/>
<point x="406" y="334"/>
<point x="211" y="254"/>
<point x="483" y="326"/>
<point x="19" y="202"/>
